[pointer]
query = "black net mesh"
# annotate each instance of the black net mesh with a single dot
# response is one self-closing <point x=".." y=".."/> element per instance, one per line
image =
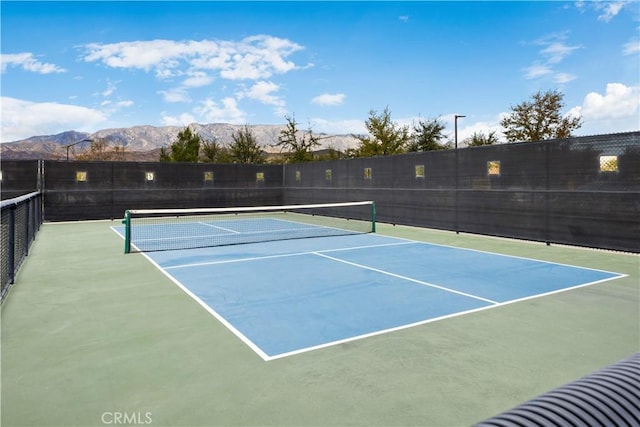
<point x="170" y="229"/>
<point x="6" y="263"/>
<point x="96" y="190"/>
<point x="582" y="191"/>
<point x="21" y="219"/>
<point x="18" y="178"/>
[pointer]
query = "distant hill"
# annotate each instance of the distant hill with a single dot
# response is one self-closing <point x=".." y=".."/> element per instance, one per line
<point x="143" y="143"/>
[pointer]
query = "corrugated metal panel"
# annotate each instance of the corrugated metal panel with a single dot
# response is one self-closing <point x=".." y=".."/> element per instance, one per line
<point x="609" y="397"/>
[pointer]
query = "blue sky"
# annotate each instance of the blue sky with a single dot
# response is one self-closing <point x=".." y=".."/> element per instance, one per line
<point x="88" y="66"/>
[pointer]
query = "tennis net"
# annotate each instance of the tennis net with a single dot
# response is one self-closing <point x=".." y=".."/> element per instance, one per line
<point x="172" y="229"/>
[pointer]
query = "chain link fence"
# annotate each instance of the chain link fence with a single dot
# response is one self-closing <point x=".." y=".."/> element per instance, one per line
<point x="21" y="219"/>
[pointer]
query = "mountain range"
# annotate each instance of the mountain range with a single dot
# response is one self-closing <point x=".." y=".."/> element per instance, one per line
<point x="143" y="143"/>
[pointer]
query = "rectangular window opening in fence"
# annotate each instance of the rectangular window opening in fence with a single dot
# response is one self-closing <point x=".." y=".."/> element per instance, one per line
<point x="259" y="176"/>
<point x="298" y="176"/>
<point x="367" y="173"/>
<point x="208" y="176"/>
<point x="419" y="171"/>
<point x="81" y="176"/>
<point x="149" y="176"/>
<point x="327" y="175"/>
<point x="608" y="163"/>
<point x="493" y="168"/>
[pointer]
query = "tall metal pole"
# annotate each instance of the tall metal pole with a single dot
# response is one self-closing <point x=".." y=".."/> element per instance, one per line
<point x="455" y="121"/>
<point x="456" y="225"/>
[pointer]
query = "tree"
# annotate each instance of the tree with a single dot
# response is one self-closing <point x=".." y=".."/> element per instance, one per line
<point x="479" y="138"/>
<point x="427" y="135"/>
<point x="539" y="119"/>
<point x="330" y="154"/>
<point x="101" y="149"/>
<point x="165" y="155"/>
<point x="184" y="149"/>
<point x="212" y="152"/>
<point x="385" y="137"/>
<point x="298" y="149"/>
<point x="245" y="148"/>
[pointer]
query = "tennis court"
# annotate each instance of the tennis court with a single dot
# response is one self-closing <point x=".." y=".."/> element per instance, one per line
<point x="405" y="326"/>
<point x="284" y="297"/>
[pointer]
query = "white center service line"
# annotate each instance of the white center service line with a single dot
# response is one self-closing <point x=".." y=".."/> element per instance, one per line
<point x="218" y="227"/>
<point x="407" y="278"/>
<point x="259" y="258"/>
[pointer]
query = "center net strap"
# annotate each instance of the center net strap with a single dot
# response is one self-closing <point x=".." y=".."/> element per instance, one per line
<point x="174" y="229"/>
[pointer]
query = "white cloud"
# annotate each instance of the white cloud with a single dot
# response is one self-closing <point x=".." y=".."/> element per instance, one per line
<point x="484" y="128"/>
<point x="160" y="55"/>
<point x="554" y="51"/>
<point x="339" y="127"/>
<point x="197" y="79"/>
<point x="23" y="119"/>
<point x="263" y="91"/>
<point x="199" y="63"/>
<point x="28" y="62"/>
<point x="226" y="111"/>
<point x="181" y="93"/>
<point x="111" y="88"/>
<point x="609" y="9"/>
<point x="557" y="51"/>
<point x="260" y="57"/>
<point x="328" y="99"/>
<point x="208" y="111"/>
<point x="562" y="78"/>
<point x="467" y="127"/>
<point x="537" y="70"/>
<point x="178" y="94"/>
<point x="619" y="100"/>
<point x="616" y="111"/>
<point x="631" y="48"/>
<point x="255" y="57"/>
<point x="109" y="107"/>
<point x="124" y="104"/>
<point x="182" y="120"/>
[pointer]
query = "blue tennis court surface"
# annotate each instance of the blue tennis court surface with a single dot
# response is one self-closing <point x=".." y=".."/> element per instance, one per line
<point x="286" y="297"/>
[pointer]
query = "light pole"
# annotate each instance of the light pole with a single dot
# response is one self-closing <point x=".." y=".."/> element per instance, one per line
<point x="76" y="143"/>
<point x="455" y="121"/>
<point x="455" y="138"/>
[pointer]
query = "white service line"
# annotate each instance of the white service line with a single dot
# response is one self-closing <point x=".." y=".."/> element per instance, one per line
<point x="407" y="278"/>
<point x="219" y="228"/>
<point x="258" y="258"/>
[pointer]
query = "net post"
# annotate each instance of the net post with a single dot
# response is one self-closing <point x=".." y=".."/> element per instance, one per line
<point x="127" y="232"/>
<point x="373" y="217"/>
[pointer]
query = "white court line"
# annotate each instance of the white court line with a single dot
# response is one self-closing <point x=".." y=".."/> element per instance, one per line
<point x="268" y="358"/>
<point x="219" y="228"/>
<point x="211" y="311"/>
<point x="426" y="321"/>
<point x="228" y="261"/>
<point x="410" y="279"/>
<point x="375" y="333"/>
<point x="462" y="248"/>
